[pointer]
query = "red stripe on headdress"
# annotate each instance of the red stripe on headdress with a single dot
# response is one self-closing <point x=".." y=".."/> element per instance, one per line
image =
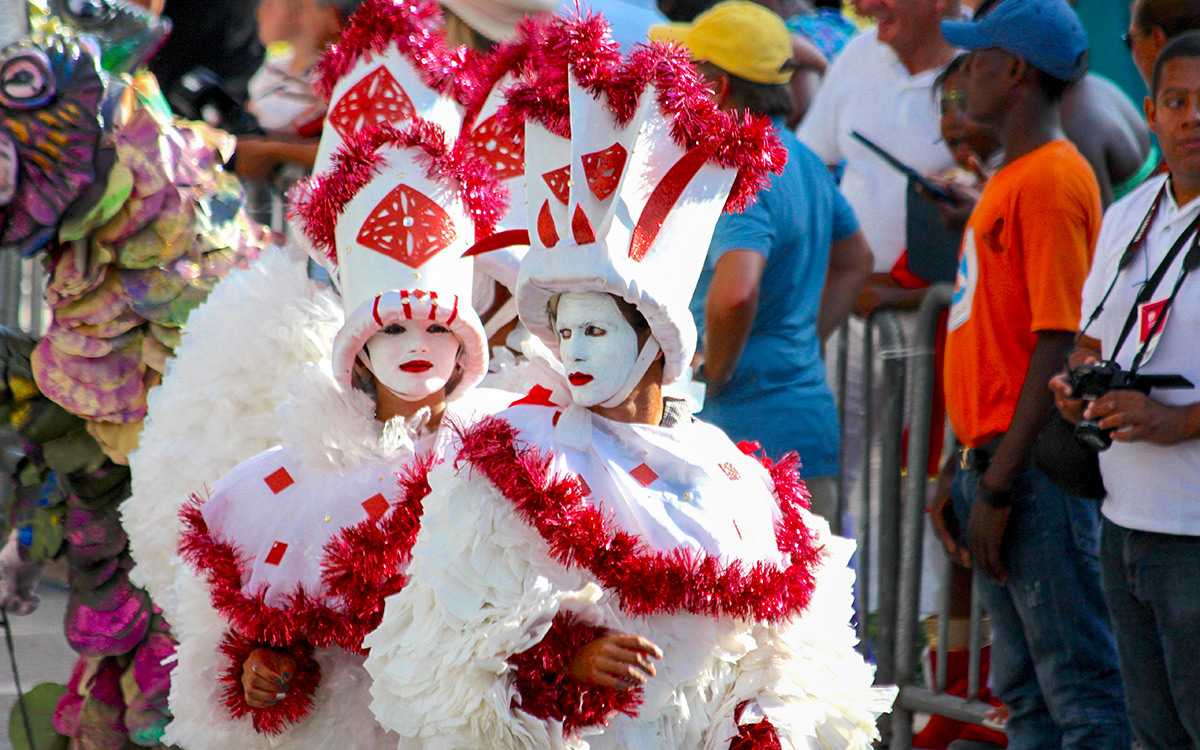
<point x="664" y="197"/>
<point x="375" y="311"/>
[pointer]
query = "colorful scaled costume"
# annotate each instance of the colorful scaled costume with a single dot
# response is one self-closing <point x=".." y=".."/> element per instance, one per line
<point x="137" y="221"/>
<point x="555" y="525"/>
<point x="223" y="389"/>
<point x="300" y="544"/>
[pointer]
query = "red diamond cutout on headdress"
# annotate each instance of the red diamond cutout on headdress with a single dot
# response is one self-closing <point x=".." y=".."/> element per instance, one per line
<point x="644" y="474"/>
<point x="603" y="169"/>
<point x="276" y="553"/>
<point x="559" y="182"/>
<point x="730" y="471"/>
<point x="408" y="227"/>
<point x="378" y="98"/>
<point x="279" y="480"/>
<point x="375" y="506"/>
<point x="504" y="148"/>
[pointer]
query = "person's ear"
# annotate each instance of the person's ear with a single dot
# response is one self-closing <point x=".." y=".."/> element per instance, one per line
<point x="1159" y="37"/>
<point x="721" y="88"/>
<point x="1151" y="113"/>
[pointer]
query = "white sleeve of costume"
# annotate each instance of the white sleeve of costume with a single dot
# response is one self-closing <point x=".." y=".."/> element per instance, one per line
<point x="481" y="588"/>
<point x="340" y="715"/>
<point x="805" y="675"/>
<point x="216" y="406"/>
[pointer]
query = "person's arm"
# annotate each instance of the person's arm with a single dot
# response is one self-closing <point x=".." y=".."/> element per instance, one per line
<point x="989" y="514"/>
<point x="881" y="290"/>
<point x="850" y="264"/>
<point x="258" y="157"/>
<point x="729" y="312"/>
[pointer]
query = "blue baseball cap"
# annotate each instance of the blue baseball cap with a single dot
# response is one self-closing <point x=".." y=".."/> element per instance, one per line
<point x="1045" y="33"/>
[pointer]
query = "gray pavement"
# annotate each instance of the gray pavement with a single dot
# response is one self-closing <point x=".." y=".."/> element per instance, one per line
<point x="42" y="651"/>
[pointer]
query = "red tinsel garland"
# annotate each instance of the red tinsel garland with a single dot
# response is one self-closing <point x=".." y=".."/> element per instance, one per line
<point x="363" y="564"/>
<point x="546" y="692"/>
<point x="415" y="26"/>
<point x="760" y="736"/>
<point x="297" y="702"/>
<point x="647" y="582"/>
<point x="319" y="201"/>
<point x="361" y="568"/>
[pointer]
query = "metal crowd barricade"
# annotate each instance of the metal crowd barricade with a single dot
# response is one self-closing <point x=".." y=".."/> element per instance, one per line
<point x="884" y="338"/>
<point x="914" y="696"/>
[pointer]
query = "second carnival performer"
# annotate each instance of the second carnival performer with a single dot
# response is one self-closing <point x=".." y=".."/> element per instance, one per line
<point x="598" y="568"/>
<point x="300" y="544"/>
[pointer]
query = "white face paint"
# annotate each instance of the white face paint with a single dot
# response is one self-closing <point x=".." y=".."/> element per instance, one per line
<point x="597" y="345"/>
<point x="413" y="359"/>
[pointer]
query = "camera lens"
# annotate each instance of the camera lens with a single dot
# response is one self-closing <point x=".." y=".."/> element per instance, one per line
<point x="1089" y="432"/>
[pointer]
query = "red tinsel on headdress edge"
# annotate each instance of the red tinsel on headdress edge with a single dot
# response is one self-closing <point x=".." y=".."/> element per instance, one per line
<point x="297" y="702"/>
<point x="319" y="203"/>
<point x="415" y="26"/>
<point x="541" y="92"/>
<point x="747" y="143"/>
<point x="645" y="581"/>
<point x="544" y="690"/>
<point x="362" y="565"/>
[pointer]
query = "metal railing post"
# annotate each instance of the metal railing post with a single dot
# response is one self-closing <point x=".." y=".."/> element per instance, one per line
<point x="862" y="504"/>
<point x="913" y="504"/>
<point x="891" y="436"/>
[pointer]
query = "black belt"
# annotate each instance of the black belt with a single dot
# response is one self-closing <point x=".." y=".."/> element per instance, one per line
<point x="979" y="458"/>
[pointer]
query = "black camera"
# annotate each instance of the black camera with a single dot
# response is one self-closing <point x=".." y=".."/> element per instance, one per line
<point x="1090" y="382"/>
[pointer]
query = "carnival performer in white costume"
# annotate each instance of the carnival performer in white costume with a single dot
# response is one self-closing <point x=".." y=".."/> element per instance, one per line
<point x="597" y="568"/>
<point x="299" y="545"/>
<point x="228" y="378"/>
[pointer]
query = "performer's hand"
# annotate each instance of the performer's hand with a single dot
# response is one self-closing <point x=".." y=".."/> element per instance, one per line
<point x="265" y="676"/>
<point x="618" y="661"/>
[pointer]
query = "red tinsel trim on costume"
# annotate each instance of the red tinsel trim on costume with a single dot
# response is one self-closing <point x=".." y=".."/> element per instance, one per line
<point x="746" y="143"/>
<point x="760" y="736"/>
<point x="363" y="565"/>
<point x="297" y="703"/>
<point x="647" y="582"/>
<point x="546" y="692"/>
<point x="320" y="201"/>
<point x="416" y="28"/>
<point x="301" y="616"/>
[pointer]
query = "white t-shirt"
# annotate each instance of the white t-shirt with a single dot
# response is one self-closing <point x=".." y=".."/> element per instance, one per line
<point x="1150" y="487"/>
<point x="869" y="90"/>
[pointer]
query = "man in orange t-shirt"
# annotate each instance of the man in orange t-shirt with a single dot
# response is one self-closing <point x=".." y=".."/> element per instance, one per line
<point x="1025" y="256"/>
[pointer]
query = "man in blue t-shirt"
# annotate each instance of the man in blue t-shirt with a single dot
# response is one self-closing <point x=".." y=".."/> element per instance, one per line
<point x="779" y="277"/>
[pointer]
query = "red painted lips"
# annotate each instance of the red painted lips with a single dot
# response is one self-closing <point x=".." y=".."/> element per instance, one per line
<point x="417" y="365"/>
<point x="579" y="378"/>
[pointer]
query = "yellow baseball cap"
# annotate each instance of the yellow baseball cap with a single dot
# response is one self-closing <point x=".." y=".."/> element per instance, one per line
<point x="739" y="37"/>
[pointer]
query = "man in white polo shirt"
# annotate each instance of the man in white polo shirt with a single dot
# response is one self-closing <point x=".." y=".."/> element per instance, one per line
<point x="1150" y="540"/>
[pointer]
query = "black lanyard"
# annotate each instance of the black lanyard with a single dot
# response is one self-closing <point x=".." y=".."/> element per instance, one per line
<point x="1191" y="260"/>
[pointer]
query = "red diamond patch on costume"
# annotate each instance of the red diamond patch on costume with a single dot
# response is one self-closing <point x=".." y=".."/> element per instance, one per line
<point x="375" y="506"/>
<point x="559" y="182"/>
<point x="644" y="474"/>
<point x="378" y="98"/>
<point x="276" y="553"/>
<point x="279" y="480"/>
<point x="730" y="471"/>
<point x="603" y="169"/>
<point x="408" y="227"/>
<point x="503" y="147"/>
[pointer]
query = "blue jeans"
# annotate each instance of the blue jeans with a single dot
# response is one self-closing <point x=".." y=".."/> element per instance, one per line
<point x="1054" y="660"/>
<point x="1152" y="584"/>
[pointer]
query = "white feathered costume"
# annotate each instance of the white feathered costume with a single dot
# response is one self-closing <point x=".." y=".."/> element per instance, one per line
<point x="554" y="525"/>
<point x="299" y="545"/>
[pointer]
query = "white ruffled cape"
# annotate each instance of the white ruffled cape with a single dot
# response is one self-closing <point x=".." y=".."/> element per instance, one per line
<point x="483" y="587"/>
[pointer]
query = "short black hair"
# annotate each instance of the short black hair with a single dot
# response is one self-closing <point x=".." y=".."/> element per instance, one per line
<point x="1174" y="17"/>
<point x="765" y="99"/>
<point x="1184" y="45"/>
